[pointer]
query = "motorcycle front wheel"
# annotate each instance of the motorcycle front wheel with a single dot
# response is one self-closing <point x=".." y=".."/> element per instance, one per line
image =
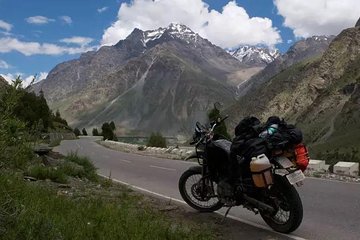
<point x="198" y="192"/>
<point x="287" y="203"/>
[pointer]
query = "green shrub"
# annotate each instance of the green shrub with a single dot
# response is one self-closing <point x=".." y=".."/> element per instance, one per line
<point x="88" y="166"/>
<point x="55" y="142"/>
<point x="72" y="169"/>
<point x="156" y="140"/>
<point x="73" y="166"/>
<point x="84" y="132"/>
<point x="43" y="173"/>
<point x="77" y="132"/>
<point x="95" y="132"/>
<point x="108" y="131"/>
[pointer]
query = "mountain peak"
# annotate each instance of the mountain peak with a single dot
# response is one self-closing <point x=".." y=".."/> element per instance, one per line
<point x="313" y="45"/>
<point x="255" y="55"/>
<point x="180" y="28"/>
<point x="135" y="34"/>
<point x="321" y="38"/>
<point x="174" y="31"/>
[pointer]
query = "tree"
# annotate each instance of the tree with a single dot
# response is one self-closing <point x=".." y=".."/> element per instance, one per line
<point x="44" y="111"/>
<point x="31" y="109"/>
<point x="95" y="132"/>
<point x="214" y="115"/>
<point x="77" y="132"/>
<point x="84" y="132"/>
<point x="112" y="125"/>
<point x="15" y="149"/>
<point x="57" y="118"/>
<point x="57" y="114"/>
<point x="107" y="132"/>
<point x="156" y="140"/>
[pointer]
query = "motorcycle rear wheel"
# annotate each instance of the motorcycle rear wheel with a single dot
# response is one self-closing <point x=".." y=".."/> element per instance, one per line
<point x="196" y="196"/>
<point x="288" y="205"/>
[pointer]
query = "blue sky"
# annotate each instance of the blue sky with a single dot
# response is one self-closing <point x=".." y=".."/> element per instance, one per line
<point x="36" y="35"/>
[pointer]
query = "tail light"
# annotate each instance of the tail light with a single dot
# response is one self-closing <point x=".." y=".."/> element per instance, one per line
<point x="302" y="156"/>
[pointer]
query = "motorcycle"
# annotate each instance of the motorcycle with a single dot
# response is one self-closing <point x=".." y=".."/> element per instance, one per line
<point x="277" y="201"/>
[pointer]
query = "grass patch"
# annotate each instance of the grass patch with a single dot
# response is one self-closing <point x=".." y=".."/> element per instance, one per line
<point x="88" y="166"/>
<point x="72" y="165"/>
<point x="43" y="173"/>
<point x="55" y="142"/>
<point x="29" y="211"/>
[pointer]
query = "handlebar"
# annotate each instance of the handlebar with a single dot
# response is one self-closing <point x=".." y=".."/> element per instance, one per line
<point x="208" y="132"/>
<point x="224" y="118"/>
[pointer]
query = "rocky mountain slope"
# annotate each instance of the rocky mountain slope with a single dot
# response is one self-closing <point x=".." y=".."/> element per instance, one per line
<point x="255" y="56"/>
<point x="2" y="80"/>
<point x="160" y="80"/>
<point x="3" y="84"/>
<point x="321" y="95"/>
<point x="304" y="49"/>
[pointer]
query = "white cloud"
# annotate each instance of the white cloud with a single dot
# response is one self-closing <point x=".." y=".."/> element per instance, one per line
<point x="82" y="41"/>
<point x="66" y="20"/>
<point x="318" y="17"/>
<point x="4" y="65"/>
<point x="5" y="26"/>
<point x="39" y="20"/>
<point x="103" y="9"/>
<point x="289" y="41"/>
<point x="229" y="28"/>
<point x="26" y="79"/>
<point x="31" y="48"/>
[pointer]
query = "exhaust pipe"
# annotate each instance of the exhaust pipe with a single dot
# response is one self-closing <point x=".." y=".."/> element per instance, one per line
<point x="258" y="204"/>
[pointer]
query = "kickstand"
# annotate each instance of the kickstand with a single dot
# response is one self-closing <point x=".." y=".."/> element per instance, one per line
<point x="226" y="213"/>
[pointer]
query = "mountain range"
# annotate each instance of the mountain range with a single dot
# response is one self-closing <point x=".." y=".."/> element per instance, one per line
<point x="304" y="49"/>
<point x="255" y="56"/>
<point x="167" y="79"/>
<point x="160" y="80"/>
<point x="320" y="94"/>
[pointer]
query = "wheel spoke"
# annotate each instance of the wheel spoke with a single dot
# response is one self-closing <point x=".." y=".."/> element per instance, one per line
<point x="282" y="215"/>
<point x="193" y="191"/>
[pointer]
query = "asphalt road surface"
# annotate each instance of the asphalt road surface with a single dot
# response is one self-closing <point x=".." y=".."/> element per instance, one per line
<point x="331" y="208"/>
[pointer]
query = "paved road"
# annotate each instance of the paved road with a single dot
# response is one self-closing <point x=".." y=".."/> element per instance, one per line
<point x="331" y="209"/>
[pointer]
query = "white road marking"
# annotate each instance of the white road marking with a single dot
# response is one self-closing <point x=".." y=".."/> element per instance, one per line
<point x="182" y="202"/>
<point x="164" y="168"/>
<point x="127" y="161"/>
<point x="78" y="145"/>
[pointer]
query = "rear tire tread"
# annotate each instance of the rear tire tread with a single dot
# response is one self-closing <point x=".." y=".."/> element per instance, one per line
<point x="296" y="212"/>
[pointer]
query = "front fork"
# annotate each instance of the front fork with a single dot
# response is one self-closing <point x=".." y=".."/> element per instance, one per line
<point x="206" y="183"/>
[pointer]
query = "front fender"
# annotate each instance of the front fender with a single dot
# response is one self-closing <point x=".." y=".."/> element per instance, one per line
<point x="194" y="154"/>
<point x="195" y="169"/>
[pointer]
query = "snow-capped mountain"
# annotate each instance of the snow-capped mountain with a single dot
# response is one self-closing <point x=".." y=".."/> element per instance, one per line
<point x="174" y="30"/>
<point x="322" y="38"/>
<point x="255" y="55"/>
<point x="158" y="80"/>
